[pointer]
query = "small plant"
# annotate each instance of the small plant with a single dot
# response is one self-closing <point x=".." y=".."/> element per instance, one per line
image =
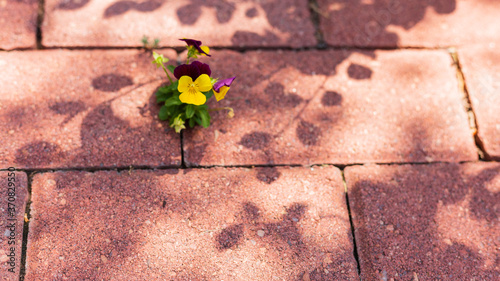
<point x="149" y="46"/>
<point x="184" y="100"/>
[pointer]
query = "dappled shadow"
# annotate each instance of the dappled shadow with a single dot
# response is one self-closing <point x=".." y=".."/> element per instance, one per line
<point x="436" y="220"/>
<point x="121" y="7"/>
<point x="256" y="140"/>
<point x="189" y="14"/>
<point x="286" y="230"/>
<point x="69" y="108"/>
<point x="344" y="24"/>
<point x="111" y="82"/>
<point x="331" y="98"/>
<point x="155" y="215"/>
<point x="72" y="4"/>
<point x="39" y="153"/>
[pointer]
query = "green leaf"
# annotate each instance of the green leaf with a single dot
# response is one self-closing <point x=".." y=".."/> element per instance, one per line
<point x="205" y="117"/>
<point x="163" y="114"/>
<point x="189" y="111"/>
<point x="209" y="94"/>
<point x="192" y="122"/>
<point x="171" y="68"/>
<point x="159" y="59"/>
<point x="197" y="119"/>
<point x="162" y="98"/>
<point x="173" y="101"/>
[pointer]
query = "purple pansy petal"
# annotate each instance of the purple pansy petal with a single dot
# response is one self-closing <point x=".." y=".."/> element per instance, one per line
<point x="192" y="42"/>
<point x="182" y="70"/>
<point x="225" y="82"/>
<point x="203" y="67"/>
<point x="193" y="70"/>
<point x="196" y="44"/>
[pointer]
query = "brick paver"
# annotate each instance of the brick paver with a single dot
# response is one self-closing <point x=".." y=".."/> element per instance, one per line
<point x="427" y="23"/>
<point x="335" y="107"/>
<point x="18" y="21"/>
<point x="12" y="205"/>
<point x="83" y="109"/>
<point x="481" y="66"/>
<point x="426" y="222"/>
<point x="214" y="224"/>
<point x="220" y="23"/>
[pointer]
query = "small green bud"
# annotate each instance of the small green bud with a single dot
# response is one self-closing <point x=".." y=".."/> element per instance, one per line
<point x="178" y="124"/>
<point x="159" y="59"/>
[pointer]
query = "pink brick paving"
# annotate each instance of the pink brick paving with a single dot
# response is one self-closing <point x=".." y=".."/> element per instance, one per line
<point x="364" y="91"/>
<point x="314" y="107"/>
<point x="427" y="221"/>
<point x="86" y="109"/>
<point x="12" y="222"/>
<point x="18" y="22"/>
<point x="221" y="224"/>
<point x="222" y="23"/>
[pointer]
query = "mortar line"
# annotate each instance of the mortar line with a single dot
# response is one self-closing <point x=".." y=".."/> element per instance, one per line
<point x="315" y="19"/>
<point x="247" y="166"/>
<point x="27" y="211"/>
<point x="39" y="22"/>
<point x="183" y="160"/>
<point x="355" y="247"/>
<point x="473" y="125"/>
<point x="241" y="49"/>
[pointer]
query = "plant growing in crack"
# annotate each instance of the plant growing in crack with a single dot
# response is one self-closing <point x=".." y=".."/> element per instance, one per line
<point x="148" y="45"/>
<point x="184" y="100"/>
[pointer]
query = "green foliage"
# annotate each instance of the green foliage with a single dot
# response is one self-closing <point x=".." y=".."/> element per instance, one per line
<point x="179" y="113"/>
<point x="150" y="46"/>
<point x="188" y="111"/>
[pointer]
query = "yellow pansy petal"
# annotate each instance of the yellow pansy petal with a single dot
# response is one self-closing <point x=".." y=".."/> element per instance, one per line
<point x="205" y="49"/>
<point x="222" y="93"/>
<point x="193" y="97"/>
<point x="203" y="83"/>
<point x="184" y="83"/>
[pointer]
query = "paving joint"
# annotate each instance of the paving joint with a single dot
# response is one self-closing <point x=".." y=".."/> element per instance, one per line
<point x="27" y="218"/>
<point x="183" y="160"/>
<point x="186" y="167"/>
<point x="315" y="18"/>
<point x="39" y="22"/>
<point x="483" y="155"/>
<point x="355" y="248"/>
<point x="233" y="48"/>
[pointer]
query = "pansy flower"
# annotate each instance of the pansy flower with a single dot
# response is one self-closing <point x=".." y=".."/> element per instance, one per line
<point x="221" y="87"/>
<point x="192" y="70"/>
<point x="203" y="50"/>
<point x="194" y="79"/>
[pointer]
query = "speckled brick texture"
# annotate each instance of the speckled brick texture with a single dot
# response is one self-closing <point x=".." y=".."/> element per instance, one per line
<point x="481" y="67"/>
<point x="18" y="21"/>
<point x="217" y="23"/>
<point x="83" y="109"/>
<point x="426" y="23"/>
<point x="13" y="198"/>
<point x="421" y="222"/>
<point x="203" y="224"/>
<point x="334" y="107"/>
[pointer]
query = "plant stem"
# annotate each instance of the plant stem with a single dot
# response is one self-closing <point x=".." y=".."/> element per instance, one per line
<point x="166" y="72"/>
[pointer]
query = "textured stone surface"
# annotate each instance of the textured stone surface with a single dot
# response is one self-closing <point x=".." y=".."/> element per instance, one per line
<point x="334" y="107"/>
<point x="11" y="222"/>
<point x="428" y="221"/>
<point x="18" y="23"/>
<point x="82" y="109"/>
<point x="428" y="23"/>
<point x="217" y="23"/>
<point x="481" y="67"/>
<point x="216" y="224"/>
